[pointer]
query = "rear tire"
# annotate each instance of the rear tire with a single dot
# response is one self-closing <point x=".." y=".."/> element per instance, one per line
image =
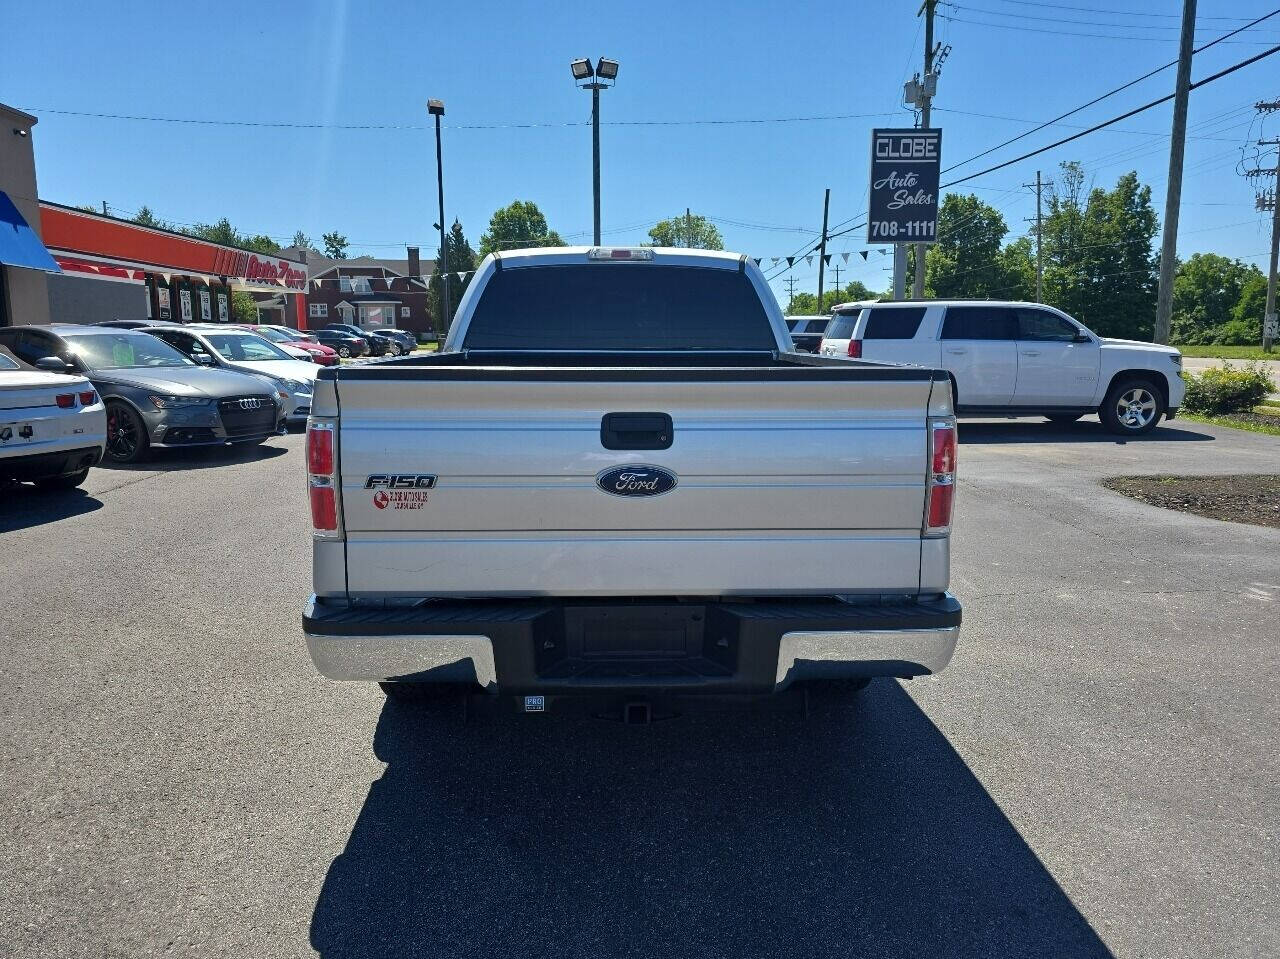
<point x="344" y="352"/>
<point x="65" y="482"/>
<point x="396" y="349"/>
<point x="1062" y="419"/>
<point x="1133" y="407"/>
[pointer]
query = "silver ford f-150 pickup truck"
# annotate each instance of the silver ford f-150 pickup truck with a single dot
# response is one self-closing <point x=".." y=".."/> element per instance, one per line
<point x="618" y="477"/>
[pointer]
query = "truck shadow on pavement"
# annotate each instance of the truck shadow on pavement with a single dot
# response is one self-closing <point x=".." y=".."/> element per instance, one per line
<point x="995" y="432"/>
<point x="857" y="833"/>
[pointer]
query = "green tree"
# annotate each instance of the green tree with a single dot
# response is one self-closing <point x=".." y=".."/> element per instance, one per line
<point x="966" y="260"/>
<point x="1099" y="264"/>
<point x="806" y="304"/>
<point x="1252" y="304"/>
<point x="335" y="245"/>
<point x="460" y="258"/>
<point x="244" y="309"/>
<point x="145" y="217"/>
<point x="262" y="243"/>
<point x="1017" y="263"/>
<point x="1207" y="292"/>
<point x="302" y="241"/>
<point x="690" y="231"/>
<point x="517" y="226"/>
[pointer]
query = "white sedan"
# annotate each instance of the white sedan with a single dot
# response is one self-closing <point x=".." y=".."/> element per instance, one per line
<point x="53" y="426"/>
<point x="235" y="349"/>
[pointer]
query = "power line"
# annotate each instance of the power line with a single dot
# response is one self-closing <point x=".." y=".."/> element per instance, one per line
<point x="1126" y="13"/>
<point x="1124" y="116"/>
<point x="1083" y="23"/>
<point x="1076" y="33"/>
<point x="1109" y="93"/>
<point x="283" y="125"/>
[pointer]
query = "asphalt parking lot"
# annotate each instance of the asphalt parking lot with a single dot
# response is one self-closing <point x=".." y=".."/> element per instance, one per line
<point x="1095" y="774"/>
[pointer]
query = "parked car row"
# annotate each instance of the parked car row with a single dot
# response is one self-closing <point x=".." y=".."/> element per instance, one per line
<point x="153" y="395"/>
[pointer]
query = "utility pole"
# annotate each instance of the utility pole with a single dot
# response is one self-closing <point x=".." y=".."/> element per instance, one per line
<point x="1173" y="194"/>
<point x="688" y="227"/>
<point x="835" y="268"/>
<point x="791" y="289"/>
<point x="1039" y="185"/>
<point x="822" y="247"/>
<point x="104" y="208"/>
<point x="1269" y="318"/>
<point x="926" y="8"/>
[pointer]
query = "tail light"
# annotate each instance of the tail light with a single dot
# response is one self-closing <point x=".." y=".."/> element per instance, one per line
<point x="322" y="477"/>
<point x="88" y="398"/>
<point x="855" y="349"/>
<point x="940" y="493"/>
<point x="66" y="400"/>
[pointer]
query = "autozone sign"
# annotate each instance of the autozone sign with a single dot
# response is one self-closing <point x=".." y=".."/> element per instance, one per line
<point x="112" y="247"/>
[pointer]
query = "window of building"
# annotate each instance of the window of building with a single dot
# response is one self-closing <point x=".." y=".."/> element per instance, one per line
<point x="318" y="309"/>
<point x="404" y="312"/>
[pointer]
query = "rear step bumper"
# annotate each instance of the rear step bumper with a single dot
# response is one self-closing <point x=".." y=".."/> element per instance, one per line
<point x="562" y="647"/>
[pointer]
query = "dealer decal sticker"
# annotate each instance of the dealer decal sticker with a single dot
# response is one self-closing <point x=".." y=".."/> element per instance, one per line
<point x="400" y="499"/>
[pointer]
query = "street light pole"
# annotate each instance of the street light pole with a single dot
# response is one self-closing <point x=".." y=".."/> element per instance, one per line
<point x="604" y="69"/>
<point x="595" y="158"/>
<point x="436" y="109"/>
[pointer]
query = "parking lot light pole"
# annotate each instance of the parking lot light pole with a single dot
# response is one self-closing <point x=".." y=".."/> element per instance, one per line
<point x="436" y="109"/>
<point x="604" y="69"/>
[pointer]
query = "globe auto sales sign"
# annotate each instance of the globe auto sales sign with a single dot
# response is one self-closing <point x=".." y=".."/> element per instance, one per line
<point x="905" y="168"/>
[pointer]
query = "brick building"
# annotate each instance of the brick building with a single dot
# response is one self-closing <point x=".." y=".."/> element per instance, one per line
<point x="369" y="292"/>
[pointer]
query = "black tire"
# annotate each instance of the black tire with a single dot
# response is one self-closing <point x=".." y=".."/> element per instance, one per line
<point x="421" y="692"/>
<point x="126" y="434"/>
<point x="1062" y="419"/>
<point x="64" y="482"/>
<point x="344" y="351"/>
<point x="396" y="349"/>
<point x="1133" y="407"/>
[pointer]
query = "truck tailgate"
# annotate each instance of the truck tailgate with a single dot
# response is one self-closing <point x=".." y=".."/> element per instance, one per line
<point x="783" y="485"/>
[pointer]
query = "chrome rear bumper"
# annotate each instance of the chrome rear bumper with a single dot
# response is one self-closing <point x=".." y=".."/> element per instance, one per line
<point x="736" y="646"/>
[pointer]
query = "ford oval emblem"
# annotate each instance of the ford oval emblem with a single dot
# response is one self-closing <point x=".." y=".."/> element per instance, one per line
<point x="636" y="481"/>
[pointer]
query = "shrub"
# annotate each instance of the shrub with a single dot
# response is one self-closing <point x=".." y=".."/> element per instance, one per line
<point x="1226" y="389"/>
<point x="1237" y="333"/>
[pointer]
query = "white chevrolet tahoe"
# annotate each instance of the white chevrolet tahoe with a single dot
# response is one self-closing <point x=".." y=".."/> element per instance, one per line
<point x="618" y="477"/>
<point x="1017" y="359"/>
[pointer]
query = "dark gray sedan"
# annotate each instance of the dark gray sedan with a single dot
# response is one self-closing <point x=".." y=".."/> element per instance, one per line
<point x="155" y="396"/>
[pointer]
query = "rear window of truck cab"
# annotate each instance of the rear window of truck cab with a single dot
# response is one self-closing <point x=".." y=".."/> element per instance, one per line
<point x="612" y="306"/>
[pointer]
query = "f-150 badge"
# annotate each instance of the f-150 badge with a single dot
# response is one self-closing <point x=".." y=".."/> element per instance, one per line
<point x="636" y="481"/>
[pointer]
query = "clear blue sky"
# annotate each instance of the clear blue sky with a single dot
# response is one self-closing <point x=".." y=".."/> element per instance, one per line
<point x="1012" y="63"/>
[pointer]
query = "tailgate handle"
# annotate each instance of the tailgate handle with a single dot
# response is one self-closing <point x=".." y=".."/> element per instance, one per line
<point x="636" y="431"/>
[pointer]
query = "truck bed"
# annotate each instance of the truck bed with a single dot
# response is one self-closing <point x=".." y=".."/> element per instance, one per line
<point x="794" y="475"/>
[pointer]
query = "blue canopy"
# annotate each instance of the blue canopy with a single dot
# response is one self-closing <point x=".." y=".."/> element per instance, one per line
<point x="19" y="245"/>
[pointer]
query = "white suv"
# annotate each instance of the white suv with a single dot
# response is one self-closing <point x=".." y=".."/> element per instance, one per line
<point x="1017" y="359"/>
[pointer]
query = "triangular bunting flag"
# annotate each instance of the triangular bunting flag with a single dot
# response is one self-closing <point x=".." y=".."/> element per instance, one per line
<point x="808" y="260"/>
<point x="863" y="253"/>
<point x="460" y="276"/>
<point x="826" y="260"/>
<point x="845" y="257"/>
<point x="773" y="260"/>
<point x="758" y="259"/>
<point x="791" y="260"/>
<point x="883" y="252"/>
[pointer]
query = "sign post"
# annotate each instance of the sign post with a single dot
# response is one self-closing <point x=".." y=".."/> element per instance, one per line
<point x="906" y="166"/>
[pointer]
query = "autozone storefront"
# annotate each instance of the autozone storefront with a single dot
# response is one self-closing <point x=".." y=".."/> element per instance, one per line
<point x="116" y="269"/>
